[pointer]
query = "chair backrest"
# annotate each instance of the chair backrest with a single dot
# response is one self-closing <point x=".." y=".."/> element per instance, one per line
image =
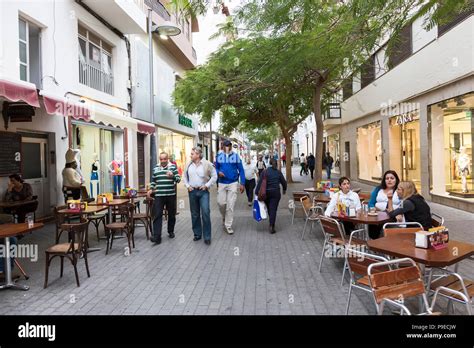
<point x="364" y="196"/>
<point x="149" y="206"/>
<point x="437" y="220"/>
<point x="359" y="261"/>
<point x="395" y="284"/>
<point x="77" y="234"/>
<point x="297" y="195"/>
<point x="393" y="228"/>
<point x="306" y="204"/>
<point x="59" y="219"/>
<point x="332" y="227"/>
<point x="126" y="212"/>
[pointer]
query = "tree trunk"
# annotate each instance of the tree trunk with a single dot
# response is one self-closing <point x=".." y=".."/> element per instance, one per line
<point x="319" y="132"/>
<point x="288" y="154"/>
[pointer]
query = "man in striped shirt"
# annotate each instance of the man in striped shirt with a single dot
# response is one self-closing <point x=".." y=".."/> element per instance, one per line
<point x="162" y="187"/>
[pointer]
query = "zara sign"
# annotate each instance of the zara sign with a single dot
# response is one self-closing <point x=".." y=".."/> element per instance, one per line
<point x="402" y="119"/>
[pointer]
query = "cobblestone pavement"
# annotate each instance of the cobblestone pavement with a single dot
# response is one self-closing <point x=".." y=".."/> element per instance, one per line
<point x="250" y="272"/>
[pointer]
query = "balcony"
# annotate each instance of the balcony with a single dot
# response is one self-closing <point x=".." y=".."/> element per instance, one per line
<point x="128" y="16"/>
<point x="95" y="78"/>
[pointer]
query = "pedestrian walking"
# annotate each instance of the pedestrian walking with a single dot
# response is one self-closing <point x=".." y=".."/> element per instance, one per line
<point x="327" y="163"/>
<point x="283" y="158"/>
<point x="229" y="169"/>
<point x="311" y="164"/>
<point x="303" y="165"/>
<point x="163" y="189"/>
<point x="261" y="165"/>
<point x="198" y="178"/>
<point x="250" y="172"/>
<point x="274" y="179"/>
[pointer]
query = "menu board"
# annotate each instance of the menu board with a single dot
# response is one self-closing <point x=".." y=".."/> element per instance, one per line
<point x="10" y="153"/>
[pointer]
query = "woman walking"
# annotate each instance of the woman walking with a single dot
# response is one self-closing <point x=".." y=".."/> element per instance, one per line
<point x="274" y="178"/>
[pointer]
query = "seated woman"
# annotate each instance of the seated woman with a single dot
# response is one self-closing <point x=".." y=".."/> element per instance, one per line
<point x="413" y="208"/>
<point x="348" y="198"/>
<point x="18" y="190"/>
<point x="382" y="196"/>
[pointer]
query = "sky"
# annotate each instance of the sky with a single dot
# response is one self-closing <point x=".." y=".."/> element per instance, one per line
<point x="207" y="27"/>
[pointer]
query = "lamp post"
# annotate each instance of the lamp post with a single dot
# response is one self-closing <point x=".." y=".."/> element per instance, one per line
<point x="307" y="147"/>
<point x="164" y="30"/>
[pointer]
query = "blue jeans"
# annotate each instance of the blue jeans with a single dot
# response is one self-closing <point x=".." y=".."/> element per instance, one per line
<point x="328" y="172"/>
<point x="199" y="203"/>
<point x="117" y="184"/>
<point x="13" y="241"/>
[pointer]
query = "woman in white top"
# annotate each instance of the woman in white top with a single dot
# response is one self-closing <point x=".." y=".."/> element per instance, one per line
<point x="346" y="196"/>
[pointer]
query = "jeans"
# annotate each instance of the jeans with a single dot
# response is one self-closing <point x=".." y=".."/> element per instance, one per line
<point x="200" y="207"/>
<point x="272" y="201"/>
<point x="13" y="241"/>
<point x="303" y="169"/>
<point x="117" y="184"/>
<point x="328" y="171"/>
<point x="160" y="203"/>
<point x="249" y="188"/>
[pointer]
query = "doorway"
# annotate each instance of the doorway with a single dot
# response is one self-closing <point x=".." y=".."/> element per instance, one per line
<point x="347" y="156"/>
<point x="36" y="172"/>
<point x="141" y="160"/>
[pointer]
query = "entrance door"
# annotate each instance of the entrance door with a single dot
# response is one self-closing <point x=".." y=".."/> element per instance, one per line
<point x="346" y="159"/>
<point x="106" y="156"/>
<point x="141" y="160"/>
<point x="411" y="153"/>
<point x="35" y="171"/>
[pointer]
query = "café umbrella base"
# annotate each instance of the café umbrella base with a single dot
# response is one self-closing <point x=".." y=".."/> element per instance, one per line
<point x="259" y="210"/>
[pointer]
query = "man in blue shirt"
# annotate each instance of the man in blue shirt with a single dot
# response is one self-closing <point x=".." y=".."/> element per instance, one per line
<point x="229" y="169"/>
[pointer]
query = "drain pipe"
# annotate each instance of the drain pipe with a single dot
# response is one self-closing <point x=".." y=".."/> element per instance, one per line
<point x="120" y="35"/>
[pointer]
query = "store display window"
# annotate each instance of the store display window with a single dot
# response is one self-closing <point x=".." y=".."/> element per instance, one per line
<point x="369" y="152"/>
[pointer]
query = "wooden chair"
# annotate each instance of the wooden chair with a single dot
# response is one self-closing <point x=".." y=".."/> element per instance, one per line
<point x="312" y="213"/>
<point x="297" y="195"/>
<point x="61" y="219"/>
<point x="437" y="220"/>
<point x="334" y="236"/>
<point x="96" y="219"/>
<point x="393" y="228"/>
<point x="358" y="262"/>
<point x="394" y="286"/>
<point x="146" y="218"/>
<point x="453" y="287"/>
<point x="72" y="250"/>
<point x="126" y="225"/>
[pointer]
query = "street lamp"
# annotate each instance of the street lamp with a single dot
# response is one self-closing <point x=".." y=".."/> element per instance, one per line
<point x="307" y="147"/>
<point x="165" y="30"/>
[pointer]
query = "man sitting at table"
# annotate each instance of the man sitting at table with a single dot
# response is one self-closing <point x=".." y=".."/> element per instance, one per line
<point x="347" y="197"/>
<point x="18" y="190"/>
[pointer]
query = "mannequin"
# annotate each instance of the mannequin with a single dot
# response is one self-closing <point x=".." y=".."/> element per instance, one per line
<point x="463" y="162"/>
<point x="72" y="179"/>
<point x="116" y="168"/>
<point x="95" y="176"/>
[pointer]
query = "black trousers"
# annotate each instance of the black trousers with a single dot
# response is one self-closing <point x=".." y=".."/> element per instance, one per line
<point x="272" y="201"/>
<point x="158" y="206"/>
<point x="374" y="231"/>
<point x="311" y="169"/>
<point x="249" y="187"/>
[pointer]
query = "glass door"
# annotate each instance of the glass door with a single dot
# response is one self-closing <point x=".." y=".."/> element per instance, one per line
<point x="411" y="153"/>
<point x="106" y="156"/>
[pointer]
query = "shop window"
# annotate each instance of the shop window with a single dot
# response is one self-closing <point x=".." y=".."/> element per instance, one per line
<point x="369" y="152"/>
<point x="451" y="146"/>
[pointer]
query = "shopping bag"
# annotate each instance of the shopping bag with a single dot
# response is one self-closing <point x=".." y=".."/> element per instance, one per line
<point x="259" y="210"/>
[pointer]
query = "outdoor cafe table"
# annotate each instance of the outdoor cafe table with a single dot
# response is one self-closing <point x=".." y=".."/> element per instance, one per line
<point x="403" y="245"/>
<point x="12" y="230"/>
<point x="110" y="204"/>
<point x="366" y="220"/>
<point x="15" y="204"/>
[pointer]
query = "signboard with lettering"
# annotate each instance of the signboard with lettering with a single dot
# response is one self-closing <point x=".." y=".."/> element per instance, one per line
<point x="10" y="153"/>
<point x="184" y="121"/>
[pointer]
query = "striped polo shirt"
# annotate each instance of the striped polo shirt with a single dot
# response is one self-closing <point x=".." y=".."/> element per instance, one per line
<point x="161" y="184"/>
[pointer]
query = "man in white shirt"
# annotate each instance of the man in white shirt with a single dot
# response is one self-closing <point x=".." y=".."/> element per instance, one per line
<point x="198" y="177"/>
<point x="250" y="170"/>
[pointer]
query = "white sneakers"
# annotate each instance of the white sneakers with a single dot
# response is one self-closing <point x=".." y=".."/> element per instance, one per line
<point x="229" y="230"/>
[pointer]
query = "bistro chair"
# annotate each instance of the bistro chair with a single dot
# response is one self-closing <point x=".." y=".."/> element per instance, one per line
<point x="312" y="213"/>
<point x="358" y="261"/>
<point x="357" y="239"/>
<point x="334" y="236"/>
<point x="146" y="218"/>
<point x="61" y="219"/>
<point x="453" y="287"/>
<point x="393" y="228"/>
<point x="392" y="287"/>
<point x="73" y="250"/>
<point x="96" y="219"/>
<point x="125" y="211"/>
<point x="437" y="220"/>
<point x="297" y="195"/>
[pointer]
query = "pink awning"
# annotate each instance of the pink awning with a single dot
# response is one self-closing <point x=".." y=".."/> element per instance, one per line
<point x="65" y="107"/>
<point x="18" y="91"/>
<point x="146" y="128"/>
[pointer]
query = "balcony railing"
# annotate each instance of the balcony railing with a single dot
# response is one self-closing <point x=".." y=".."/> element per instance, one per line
<point x="158" y="7"/>
<point x="96" y="78"/>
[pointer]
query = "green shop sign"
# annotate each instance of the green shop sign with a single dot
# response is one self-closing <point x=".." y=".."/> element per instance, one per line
<point x="184" y="121"/>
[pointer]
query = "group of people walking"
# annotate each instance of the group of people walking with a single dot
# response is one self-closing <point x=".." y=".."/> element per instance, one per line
<point x="232" y="176"/>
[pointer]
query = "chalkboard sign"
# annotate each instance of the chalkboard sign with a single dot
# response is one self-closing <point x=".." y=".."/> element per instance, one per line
<point x="10" y="153"/>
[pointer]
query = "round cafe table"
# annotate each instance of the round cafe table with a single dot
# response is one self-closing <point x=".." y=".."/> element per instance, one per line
<point x="364" y="219"/>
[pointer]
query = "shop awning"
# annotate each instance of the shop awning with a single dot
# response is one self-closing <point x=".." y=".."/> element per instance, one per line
<point x="146" y="128"/>
<point x="65" y="107"/>
<point x="19" y="91"/>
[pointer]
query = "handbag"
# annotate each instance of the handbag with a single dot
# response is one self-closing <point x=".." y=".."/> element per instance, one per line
<point x="262" y="193"/>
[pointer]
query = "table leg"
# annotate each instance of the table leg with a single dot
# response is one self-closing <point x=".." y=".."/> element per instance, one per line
<point x="8" y="271"/>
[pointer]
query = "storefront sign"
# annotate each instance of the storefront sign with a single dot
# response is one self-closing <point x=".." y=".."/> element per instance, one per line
<point x="184" y="121"/>
<point x="402" y="119"/>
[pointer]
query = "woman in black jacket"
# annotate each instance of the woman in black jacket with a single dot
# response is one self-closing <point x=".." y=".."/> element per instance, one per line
<point x="274" y="179"/>
<point x="413" y="207"/>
